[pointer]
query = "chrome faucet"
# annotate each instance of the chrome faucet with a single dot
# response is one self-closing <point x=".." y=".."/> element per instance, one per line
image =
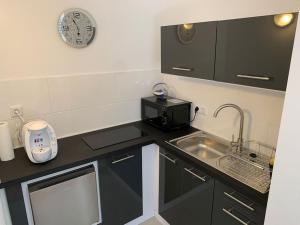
<point x="239" y="143"/>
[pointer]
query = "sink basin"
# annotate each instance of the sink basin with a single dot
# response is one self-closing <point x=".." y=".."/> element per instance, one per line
<point x="202" y="145"/>
<point x="217" y="152"/>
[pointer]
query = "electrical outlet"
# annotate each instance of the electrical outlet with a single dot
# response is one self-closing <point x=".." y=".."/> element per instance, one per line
<point x="13" y="108"/>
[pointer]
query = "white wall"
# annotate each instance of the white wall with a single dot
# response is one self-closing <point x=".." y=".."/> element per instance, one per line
<point x="262" y="108"/>
<point x="31" y="46"/>
<point x="283" y="207"/>
<point x="75" y="104"/>
<point x="185" y="11"/>
<point x="77" y="90"/>
<point x="72" y="87"/>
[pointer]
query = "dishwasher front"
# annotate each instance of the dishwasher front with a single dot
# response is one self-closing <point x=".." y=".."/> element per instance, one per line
<point x="71" y="198"/>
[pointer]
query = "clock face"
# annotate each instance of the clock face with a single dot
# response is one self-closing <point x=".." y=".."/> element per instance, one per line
<point x="76" y="27"/>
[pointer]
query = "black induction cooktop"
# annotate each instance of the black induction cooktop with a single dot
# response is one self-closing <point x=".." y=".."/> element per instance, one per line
<point x="111" y="137"/>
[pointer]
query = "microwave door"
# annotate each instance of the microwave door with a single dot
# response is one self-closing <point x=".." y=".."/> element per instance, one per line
<point x="155" y="116"/>
<point x="150" y="112"/>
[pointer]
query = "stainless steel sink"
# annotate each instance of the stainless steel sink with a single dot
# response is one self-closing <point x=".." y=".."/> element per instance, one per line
<point x="202" y="145"/>
<point x="218" y="153"/>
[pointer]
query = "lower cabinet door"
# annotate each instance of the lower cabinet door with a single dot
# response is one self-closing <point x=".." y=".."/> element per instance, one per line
<point x="120" y="178"/>
<point x="197" y="196"/>
<point x="16" y="204"/>
<point x="186" y="193"/>
<point x="169" y="178"/>
<point x="233" y="208"/>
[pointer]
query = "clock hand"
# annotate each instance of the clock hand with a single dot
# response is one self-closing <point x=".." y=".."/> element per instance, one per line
<point x="78" y="33"/>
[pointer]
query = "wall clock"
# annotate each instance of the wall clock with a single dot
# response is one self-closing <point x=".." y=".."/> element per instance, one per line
<point x="77" y="27"/>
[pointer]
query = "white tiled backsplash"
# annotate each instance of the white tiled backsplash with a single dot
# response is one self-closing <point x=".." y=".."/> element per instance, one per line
<point x="74" y="104"/>
<point x="79" y="103"/>
<point x="262" y="107"/>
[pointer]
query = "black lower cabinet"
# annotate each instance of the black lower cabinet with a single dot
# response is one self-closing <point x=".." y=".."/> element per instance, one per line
<point x="120" y="178"/>
<point x="233" y="208"/>
<point x="185" y="193"/>
<point x="16" y="204"/>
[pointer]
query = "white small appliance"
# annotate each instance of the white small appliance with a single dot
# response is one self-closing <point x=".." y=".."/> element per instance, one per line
<point x="39" y="140"/>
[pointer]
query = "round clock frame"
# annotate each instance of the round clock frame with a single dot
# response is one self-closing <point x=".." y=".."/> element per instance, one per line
<point x="77" y="27"/>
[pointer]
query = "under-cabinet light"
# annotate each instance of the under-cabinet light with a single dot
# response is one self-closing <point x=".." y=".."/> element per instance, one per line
<point x="283" y="20"/>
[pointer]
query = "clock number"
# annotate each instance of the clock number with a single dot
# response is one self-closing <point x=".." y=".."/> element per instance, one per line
<point x="89" y="28"/>
<point x="76" y="15"/>
<point x="66" y="28"/>
<point x="78" y="41"/>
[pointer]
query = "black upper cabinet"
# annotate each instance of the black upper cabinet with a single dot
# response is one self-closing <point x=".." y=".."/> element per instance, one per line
<point x="254" y="52"/>
<point x="250" y="51"/>
<point x="16" y="204"/>
<point x="189" y="50"/>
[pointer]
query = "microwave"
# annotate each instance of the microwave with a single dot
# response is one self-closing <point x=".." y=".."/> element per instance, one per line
<point x="167" y="114"/>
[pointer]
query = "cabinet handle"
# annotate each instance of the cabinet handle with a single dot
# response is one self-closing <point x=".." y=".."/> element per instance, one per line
<point x="239" y="201"/>
<point x="229" y="213"/>
<point x="253" y="77"/>
<point x="123" y="159"/>
<point x="182" y="69"/>
<point x="168" y="158"/>
<point x="190" y="171"/>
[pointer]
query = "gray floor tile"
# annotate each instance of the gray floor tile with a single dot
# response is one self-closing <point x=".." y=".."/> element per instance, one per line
<point x="151" y="221"/>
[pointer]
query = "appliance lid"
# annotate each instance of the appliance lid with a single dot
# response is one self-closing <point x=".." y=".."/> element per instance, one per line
<point x="37" y="125"/>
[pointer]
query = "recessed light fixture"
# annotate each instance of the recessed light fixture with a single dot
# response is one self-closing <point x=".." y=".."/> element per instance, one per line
<point x="186" y="32"/>
<point x="283" y="20"/>
<point x="188" y="26"/>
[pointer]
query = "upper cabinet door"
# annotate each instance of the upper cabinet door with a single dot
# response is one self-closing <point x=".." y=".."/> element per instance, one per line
<point x="254" y="52"/>
<point x="189" y="49"/>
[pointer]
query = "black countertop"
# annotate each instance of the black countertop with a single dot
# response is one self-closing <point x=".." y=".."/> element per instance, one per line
<point x="73" y="151"/>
